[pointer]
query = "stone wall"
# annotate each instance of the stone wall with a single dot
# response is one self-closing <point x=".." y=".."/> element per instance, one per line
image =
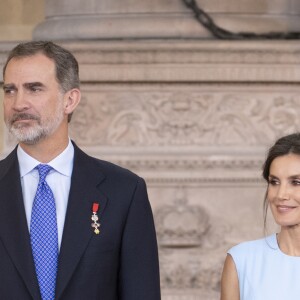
<point x="194" y="117"/>
<point x="18" y="18"/>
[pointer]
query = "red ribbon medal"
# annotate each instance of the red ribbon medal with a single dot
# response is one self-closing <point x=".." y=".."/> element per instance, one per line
<point x="95" y="217"/>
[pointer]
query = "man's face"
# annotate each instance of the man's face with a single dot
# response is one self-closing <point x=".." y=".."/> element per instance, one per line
<point x="33" y="101"/>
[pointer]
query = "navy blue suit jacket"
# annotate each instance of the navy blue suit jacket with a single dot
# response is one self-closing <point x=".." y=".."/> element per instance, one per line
<point x="120" y="263"/>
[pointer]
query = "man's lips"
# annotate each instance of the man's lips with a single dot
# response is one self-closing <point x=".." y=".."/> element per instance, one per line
<point x="23" y="117"/>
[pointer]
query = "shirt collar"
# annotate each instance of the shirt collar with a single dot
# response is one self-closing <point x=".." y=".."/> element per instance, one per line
<point x="63" y="163"/>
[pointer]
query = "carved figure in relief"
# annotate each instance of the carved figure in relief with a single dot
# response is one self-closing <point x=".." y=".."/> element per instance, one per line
<point x="182" y="118"/>
<point x="269" y="268"/>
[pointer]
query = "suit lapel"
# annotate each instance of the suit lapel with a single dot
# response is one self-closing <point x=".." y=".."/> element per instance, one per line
<point x="77" y="228"/>
<point x="13" y="225"/>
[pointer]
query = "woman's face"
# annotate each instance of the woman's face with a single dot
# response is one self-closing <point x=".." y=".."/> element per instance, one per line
<point x="284" y="190"/>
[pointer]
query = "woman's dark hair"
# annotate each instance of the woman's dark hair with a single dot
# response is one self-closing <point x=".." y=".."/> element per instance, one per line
<point x="283" y="146"/>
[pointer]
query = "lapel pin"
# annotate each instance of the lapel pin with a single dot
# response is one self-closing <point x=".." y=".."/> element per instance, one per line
<point x="95" y="218"/>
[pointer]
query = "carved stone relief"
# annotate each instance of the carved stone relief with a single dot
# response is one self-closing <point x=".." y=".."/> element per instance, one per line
<point x="186" y="235"/>
<point x="175" y="118"/>
<point x="181" y="225"/>
<point x="194" y="119"/>
<point x="195" y="228"/>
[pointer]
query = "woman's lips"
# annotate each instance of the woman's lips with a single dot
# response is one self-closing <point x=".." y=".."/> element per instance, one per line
<point x="285" y="208"/>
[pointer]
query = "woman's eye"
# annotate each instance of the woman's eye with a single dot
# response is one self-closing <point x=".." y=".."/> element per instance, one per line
<point x="296" y="182"/>
<point x="273" y="182"/>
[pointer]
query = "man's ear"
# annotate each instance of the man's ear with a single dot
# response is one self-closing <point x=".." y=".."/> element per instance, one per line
<point x="71" y="100"/>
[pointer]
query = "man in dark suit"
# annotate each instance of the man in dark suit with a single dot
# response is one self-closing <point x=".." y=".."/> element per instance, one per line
<point x="102" y="234"/>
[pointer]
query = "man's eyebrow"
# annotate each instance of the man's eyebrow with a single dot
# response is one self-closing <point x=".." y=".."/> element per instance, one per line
<point x="33" y="84"/>
<point x="8" y="86"/>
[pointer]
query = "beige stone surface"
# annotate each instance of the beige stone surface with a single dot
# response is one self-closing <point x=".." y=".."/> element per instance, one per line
<point x="114" y="19"/>
<point x="18" y="18"/>
<point x="194" y="117"/>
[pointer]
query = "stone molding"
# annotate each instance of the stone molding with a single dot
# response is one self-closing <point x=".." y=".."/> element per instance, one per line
<point x="189" y="61"/>
<point x="183" y="61"/>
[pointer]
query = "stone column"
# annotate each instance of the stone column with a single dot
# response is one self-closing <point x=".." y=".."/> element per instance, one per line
<point x="118" y="19"/>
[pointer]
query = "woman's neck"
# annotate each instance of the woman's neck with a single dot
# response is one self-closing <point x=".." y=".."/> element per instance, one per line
<point x="289" y="240"/>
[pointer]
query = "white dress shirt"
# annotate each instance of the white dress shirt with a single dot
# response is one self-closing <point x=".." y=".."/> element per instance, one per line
<point x="59" y="180"/>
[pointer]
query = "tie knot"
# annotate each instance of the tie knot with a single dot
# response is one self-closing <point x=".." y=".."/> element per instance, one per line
<point x="43" y="171"/>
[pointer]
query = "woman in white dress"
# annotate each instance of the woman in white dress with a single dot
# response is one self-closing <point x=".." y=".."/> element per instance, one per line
<point x="269" y="268"/>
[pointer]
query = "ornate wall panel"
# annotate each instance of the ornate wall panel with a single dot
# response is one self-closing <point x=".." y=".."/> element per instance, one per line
<point x="194" y="115"/>
<point x="200" y="148"/>
<point x="195" y="119"/>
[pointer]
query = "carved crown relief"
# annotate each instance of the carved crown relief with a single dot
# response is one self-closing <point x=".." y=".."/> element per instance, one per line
<point x="181" y="224"/>
<point x="186" y="237"/>
<point x="184" y="118"/>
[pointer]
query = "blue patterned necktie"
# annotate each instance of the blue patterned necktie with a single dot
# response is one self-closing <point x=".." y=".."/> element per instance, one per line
<point x="43" y="234"/>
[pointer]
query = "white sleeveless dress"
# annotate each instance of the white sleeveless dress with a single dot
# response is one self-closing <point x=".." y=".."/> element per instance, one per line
<point x="265" y="272"/>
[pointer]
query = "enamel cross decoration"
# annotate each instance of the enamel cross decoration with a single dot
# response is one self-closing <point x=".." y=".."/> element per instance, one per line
<point x="95" y="218"/>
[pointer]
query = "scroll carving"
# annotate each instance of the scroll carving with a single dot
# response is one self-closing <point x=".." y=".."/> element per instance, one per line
<point x="179" y="119"/>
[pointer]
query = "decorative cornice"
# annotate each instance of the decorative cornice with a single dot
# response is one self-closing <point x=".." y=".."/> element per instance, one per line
<point x="191" y="61"/>
<point x="194" y="172"/>
<point x="186" y="52"/>
<point x="183" y="61"/>
<point x="179" y="164"/>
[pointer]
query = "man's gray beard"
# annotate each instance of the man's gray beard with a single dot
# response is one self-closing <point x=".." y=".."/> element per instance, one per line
<point x="31" y="135"/>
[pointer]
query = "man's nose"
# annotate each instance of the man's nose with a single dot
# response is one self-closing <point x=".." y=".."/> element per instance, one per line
<point x="20" y="101"/>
